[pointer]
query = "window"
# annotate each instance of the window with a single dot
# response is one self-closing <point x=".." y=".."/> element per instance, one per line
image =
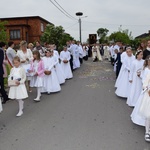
<point x="14" y="34"/>
<point x="42" y="27"/>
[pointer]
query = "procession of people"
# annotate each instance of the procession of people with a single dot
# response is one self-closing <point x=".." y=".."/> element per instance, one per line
<point x="46" y="69"/>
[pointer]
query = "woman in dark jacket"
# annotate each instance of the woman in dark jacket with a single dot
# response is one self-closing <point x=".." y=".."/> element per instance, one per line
<point x="2" y="90"/>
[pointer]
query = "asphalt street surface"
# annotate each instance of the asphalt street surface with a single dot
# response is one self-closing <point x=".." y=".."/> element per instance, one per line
<point x="85" y="115"/>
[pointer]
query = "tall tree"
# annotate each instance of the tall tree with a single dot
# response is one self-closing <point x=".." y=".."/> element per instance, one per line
<point x="3" y="34"/>
<point x="102" y="33"/>
<point x="55" y="35"/>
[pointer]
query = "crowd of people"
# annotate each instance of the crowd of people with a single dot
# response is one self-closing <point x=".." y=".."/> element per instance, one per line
<point x="41" y="67"/>
<point x="133" y="81"/>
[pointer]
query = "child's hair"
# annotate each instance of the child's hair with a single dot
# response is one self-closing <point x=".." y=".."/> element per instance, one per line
<point x="129" y="48"/>
<point x="49" y="50"/>
<point x="146" y="61"/>
<point x="36" y="52"/>
<point x="137" y="53"/>
<point x="16" y="58"/>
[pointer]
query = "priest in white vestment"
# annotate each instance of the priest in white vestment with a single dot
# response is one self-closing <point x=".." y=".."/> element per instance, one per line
<point x="96" y="53"/>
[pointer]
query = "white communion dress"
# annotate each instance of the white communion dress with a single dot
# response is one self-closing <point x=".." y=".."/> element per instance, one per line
<point x="36" y="81"/>
<point x="135" y="116"/>
<point x="118" y="81"/>
<point x="144" y="109"/>
<point x="136" y="85"/>
<point x="20" y="91"/>
<point x="59" y="71"/>
<point x="51" y="83"/>
<point x="124" y="85"/>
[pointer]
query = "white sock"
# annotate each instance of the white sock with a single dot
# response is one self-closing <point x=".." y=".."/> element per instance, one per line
<point x="38" y="93"/>
<point x="21" y="106"/>
<point x="147" y="126"/>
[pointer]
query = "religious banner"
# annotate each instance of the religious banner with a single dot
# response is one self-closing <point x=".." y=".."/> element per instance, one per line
<point x="92" y="38"/>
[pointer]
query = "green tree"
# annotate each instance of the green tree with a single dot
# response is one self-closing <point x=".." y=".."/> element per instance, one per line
<point x="120" y="36"/>
<point x="55" y="35"/>
<point x="135" y="43"/>
<point x="3" y="33"/>
<point x="102" y="33"/>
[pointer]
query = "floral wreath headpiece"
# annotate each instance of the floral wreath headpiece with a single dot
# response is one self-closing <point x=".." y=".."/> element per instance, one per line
<point x="138" y="51"/>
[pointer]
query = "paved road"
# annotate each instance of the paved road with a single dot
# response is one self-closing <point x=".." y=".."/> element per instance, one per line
<point x="85" y="115"/>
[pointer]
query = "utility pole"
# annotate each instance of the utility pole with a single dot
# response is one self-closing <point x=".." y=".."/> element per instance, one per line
<point x="79" y="14"/>
<point x="80" y="30"/>
<point x="80" y="34"/>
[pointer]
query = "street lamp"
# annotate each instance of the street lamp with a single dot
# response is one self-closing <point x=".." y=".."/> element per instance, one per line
<point x="80" y="14"/>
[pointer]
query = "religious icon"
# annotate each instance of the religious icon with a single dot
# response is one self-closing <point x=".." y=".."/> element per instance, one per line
<point x="92" y="38"/>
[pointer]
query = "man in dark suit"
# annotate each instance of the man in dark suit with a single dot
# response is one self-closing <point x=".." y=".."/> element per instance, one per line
<point x="2" y="90"/>
<point x="118" y="61"/>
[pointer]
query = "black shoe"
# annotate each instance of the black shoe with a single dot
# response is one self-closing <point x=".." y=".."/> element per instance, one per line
<point x="4" y="101"/>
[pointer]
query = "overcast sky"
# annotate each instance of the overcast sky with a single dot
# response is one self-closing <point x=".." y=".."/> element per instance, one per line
<point x="110" y="14"/>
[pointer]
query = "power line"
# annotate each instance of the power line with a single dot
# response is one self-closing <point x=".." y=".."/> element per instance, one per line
<point x="71" y="25"/>
<point x="114" y="24"/>
<point x="61" y="10"/>
<point x="64" y="10"/>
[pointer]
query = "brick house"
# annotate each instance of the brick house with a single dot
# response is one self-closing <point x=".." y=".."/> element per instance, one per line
<point x="25" y="28"/>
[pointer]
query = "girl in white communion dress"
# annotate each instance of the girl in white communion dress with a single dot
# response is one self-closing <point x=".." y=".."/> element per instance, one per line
<point x="18" y="89"/>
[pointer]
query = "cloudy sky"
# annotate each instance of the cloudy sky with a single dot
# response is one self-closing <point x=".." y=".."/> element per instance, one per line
<point x="110" y="14"/>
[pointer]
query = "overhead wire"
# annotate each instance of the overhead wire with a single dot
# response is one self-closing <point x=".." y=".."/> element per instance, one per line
<point x="114" y="24"/>
<point x="71" y="25"/>
<point x="62" y="10"/>
<point x="65" y="10"/>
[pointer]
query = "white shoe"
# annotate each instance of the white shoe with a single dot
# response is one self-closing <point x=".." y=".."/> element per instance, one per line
<point x="48" y="93"/>
<point x="147" y="137"/>
<point x="20" y="113"/>
<point x="37" y="99"/>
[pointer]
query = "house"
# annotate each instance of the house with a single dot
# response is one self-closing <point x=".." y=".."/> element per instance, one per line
<point x="25" y="28"/>
<point x="145" y="35"/>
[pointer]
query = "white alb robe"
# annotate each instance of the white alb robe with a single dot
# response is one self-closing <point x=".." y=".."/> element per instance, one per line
<point x="85" y="51"/>
<point x="106" y="52"/>
<point x="112" y="52"/>
<point x="76" y="55"/>
<point x="80" y="51"/>
<point x="65" y="55"/>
